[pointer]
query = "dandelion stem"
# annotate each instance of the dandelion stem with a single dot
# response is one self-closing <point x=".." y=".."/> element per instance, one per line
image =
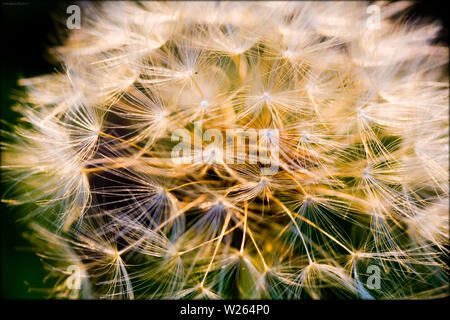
<point x="245" y="226"/>
<point x="222" y="234"/>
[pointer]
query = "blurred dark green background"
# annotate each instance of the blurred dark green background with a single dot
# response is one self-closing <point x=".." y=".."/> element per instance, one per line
<point x="26" y="35"/>
<point x="28" y="31"/>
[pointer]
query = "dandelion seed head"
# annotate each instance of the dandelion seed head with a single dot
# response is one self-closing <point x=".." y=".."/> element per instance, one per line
<point x="356" y="120"/>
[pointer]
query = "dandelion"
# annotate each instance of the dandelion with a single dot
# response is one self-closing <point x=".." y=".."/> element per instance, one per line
<point x="353" y="119"/>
